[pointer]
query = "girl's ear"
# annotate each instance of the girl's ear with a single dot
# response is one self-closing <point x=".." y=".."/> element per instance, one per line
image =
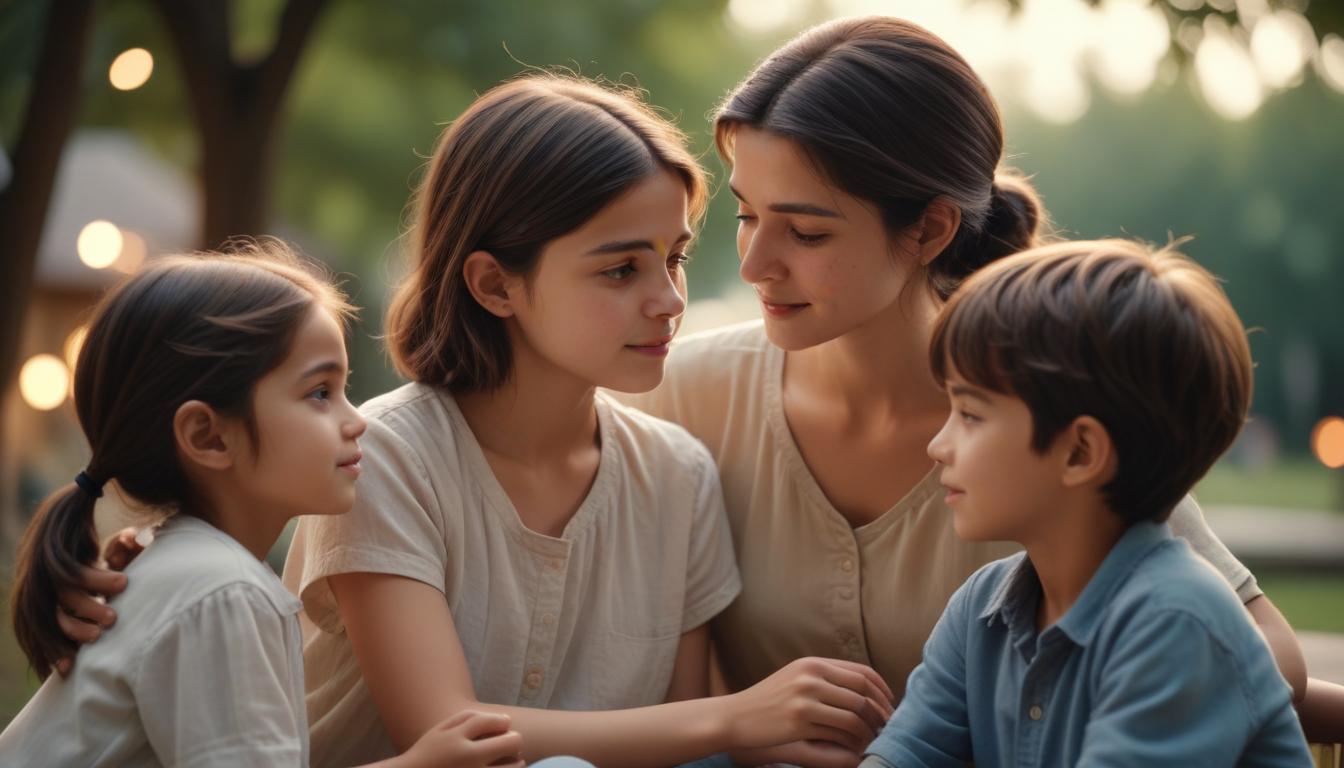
<point x="203" y="438"/>
<point x="1089" y="455"/>
<point x="488" y="283"/>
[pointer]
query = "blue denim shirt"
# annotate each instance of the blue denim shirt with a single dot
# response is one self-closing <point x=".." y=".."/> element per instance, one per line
<point x="1157" y="663"/>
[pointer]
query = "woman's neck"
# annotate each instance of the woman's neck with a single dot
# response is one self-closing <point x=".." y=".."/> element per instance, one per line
<point x="879" y="369"/>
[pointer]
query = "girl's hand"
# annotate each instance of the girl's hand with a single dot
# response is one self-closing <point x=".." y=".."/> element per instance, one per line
<point x="812" y="699"/>
<point x="81" y="616"/>
<point x="806" y="754"/>
<point x="468" y="739"/>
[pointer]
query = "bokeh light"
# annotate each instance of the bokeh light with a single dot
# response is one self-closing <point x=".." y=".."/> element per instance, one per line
<point x="1227" y="74"/>
<point x="131" y="69"/>
<point x="44" y="382"/>
<point x="1282" y="43"/>
<point x="1330" y="61"/>
<point x="134" y="249"/>
<point x="1327" y="441"/>
<point x="99" y="244"/>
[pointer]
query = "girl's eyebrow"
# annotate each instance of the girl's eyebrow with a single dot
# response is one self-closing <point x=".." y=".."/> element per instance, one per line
<point x="621" y="246"/>
<point x="327" y="366"/>
<point x="804" y="209"/>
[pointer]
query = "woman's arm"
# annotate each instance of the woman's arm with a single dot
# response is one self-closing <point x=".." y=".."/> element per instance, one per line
<point x="408" y="650"/>
<point x="1282" y="644"/>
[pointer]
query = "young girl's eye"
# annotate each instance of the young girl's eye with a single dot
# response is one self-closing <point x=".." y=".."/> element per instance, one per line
<point x="745" y="217"/>
<point x="678" y="260"/>
<point x="620" y="273"/>
<point x="808" y="239"/>
<point x="321" y="394"/>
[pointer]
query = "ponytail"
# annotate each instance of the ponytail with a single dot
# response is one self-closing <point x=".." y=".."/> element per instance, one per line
<point x="59" y="540"/>
<point x="1013" y="223"/>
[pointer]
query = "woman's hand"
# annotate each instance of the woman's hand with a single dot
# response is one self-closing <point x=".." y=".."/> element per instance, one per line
<point x="80" y="613"/>
<point x="806" y="754"/>
<point x="468" y="739"/>
<point x="813" y="699"/>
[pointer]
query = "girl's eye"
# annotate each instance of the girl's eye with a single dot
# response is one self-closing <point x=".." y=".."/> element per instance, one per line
<point x="620" y="273"/>
<point x="745" y="217"/>
<point x="678" y="260"/>
<point x="322" y="393"/>
<point x="807" y="239"/>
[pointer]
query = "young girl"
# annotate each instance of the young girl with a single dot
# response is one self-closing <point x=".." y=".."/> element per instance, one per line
<point x="212" y="387"/>
<point x="521" y="542"/>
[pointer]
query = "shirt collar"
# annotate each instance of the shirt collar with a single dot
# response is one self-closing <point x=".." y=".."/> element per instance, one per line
<point x="1014" y="601"/>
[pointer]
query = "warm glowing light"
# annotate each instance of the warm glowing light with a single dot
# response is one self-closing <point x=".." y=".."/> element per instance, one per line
<point x="1227" y="75"/>
<point x="1330" y="61"/>
<point x="1056" y="93"/>
<point x="1282" y="44"/>
<point x="99" y="244"/>
<point x="73" y="343"/>
<point x="1327" y="441"/>
<point x="133" y="252"/>
<point x="1133" y="39"/>
<point x="131" y="69"/>
<point x="759" y="16"/>
<point x="44" y="381"/>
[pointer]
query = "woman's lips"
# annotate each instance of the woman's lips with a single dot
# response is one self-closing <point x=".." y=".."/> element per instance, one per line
<point x="775" y="309"/>
<point x="654" y="348"/>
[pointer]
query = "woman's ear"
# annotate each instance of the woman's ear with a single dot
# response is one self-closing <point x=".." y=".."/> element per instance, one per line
<point x="488" y="283"/>
<point x="203" y="438"/>
<point x="1088" y="454"/>
<point x="937" y="226"/>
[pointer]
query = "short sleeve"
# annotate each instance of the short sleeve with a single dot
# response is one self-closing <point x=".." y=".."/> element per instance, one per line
<point x="215" y="687"/>
<point x="396" y="527"/>
<point x="1187" y="521"/>
<point x="712" y="580"/>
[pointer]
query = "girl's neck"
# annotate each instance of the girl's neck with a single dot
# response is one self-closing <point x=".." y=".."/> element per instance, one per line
<point x="881" y="368"/>
<point x="540" y="415"/>
<point x="239" y="519"/>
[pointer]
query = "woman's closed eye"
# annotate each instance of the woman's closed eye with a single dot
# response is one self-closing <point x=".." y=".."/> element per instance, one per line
<point x="621" y="271"/>
<point x="806" y="238"/>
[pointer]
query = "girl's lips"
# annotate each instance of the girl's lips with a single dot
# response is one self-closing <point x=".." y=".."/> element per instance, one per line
<point x="652" y="350"/>
<point x="351" y="464"/>
<point x="782" y="310"/>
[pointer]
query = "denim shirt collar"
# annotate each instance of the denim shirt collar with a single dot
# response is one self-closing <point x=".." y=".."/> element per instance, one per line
<point x="1015" y="600"/>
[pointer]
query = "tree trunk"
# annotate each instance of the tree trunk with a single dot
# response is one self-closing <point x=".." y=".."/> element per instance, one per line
<point x="236" y="108"/>
<point x="53" y="103"/>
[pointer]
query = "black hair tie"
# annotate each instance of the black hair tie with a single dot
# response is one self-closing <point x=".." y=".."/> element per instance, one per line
<point x="90" y="486"/>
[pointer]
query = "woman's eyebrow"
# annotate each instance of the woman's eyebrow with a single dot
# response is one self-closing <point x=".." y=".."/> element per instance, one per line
<point x="805" y="209"/>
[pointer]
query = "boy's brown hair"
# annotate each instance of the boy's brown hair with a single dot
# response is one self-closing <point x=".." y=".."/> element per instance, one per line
<point x="1143" y="340"/>
<point x="529" y="161"/>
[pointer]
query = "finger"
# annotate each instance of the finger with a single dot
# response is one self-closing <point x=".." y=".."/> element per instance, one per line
<point x="82" y="605"/>
<point x="454" y="720"/>
<point x="484" y="724"/>
<point x="826" y="754"/>
<point x="844" y="720"/>
<point x="504" y="746"/>
<point x="862" y="684"/>
<point x="81" y="632"/>
<point x="869" y="673"/>
<point x="121" y="549"/>
<point x="508" y="763"/>
<point x="100" y="581"/>
<point x="862" y="706"/>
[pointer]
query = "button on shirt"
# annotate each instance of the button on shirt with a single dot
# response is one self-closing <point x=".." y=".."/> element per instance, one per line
<point x="1157" y="663"/>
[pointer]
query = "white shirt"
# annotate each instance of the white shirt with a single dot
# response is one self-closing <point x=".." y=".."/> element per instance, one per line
<point x="588" y="620"/>
<point x="204" y="667"/>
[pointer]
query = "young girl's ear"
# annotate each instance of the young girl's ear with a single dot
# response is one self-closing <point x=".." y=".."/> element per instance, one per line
<point x="203" y="438"/>
<point x="489" y="283"/>
<point x="1089" y="454"/>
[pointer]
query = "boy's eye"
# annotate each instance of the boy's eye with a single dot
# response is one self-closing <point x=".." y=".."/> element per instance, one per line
<point x="620" y="273"/>
<point x="967" y="416"/>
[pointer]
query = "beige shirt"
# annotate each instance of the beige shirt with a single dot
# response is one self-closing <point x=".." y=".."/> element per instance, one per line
<point x="203" y="668"/>
<point x="812" y="585"/>
<point x="590" y="620"/>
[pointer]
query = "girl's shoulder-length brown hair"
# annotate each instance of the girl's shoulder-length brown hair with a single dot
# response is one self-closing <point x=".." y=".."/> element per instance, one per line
<point x="529" y="161"/>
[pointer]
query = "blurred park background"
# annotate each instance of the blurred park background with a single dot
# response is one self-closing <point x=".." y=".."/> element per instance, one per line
<point x="133" y="128"/>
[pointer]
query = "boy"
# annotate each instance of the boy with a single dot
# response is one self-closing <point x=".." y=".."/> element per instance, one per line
<point x="1092" y="384"/>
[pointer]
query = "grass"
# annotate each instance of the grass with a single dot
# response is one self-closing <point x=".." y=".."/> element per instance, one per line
<point x="1311" y="601"/>
<point x="1296" y="483"/>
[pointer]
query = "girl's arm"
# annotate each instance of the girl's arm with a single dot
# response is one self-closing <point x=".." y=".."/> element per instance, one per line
<point x="1282" y="644"/>
<point x="403" y="635"/>
<point x="690" y="673"/>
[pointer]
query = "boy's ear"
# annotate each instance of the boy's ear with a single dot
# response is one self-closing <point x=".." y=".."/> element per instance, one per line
<point x="938" y="225"/>
<point x="1089" y="455"/>
<point x="203" y="437"/>
<point x="489" y="283"/>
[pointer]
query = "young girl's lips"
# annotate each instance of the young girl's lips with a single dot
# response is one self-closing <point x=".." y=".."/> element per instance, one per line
<point x="351" y="465"/>
<point x="652" y="350"/>
<point x="783" y="310"/>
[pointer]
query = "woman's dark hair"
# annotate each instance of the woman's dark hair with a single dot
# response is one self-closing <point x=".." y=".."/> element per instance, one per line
<point x="204" y="327"/>
<point x="529" y="161"/>
<point x="889" y="113"/>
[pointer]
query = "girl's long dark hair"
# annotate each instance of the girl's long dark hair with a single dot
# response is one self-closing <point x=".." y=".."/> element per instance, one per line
<point x="204" y="327"/>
